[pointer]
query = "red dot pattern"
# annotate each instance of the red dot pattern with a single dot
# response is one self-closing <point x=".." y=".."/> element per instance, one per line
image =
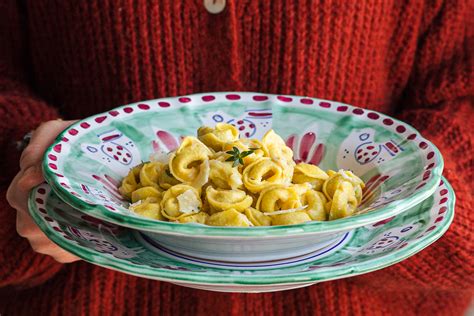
<point x="283" y="98"/>
<point x="387" y="121"/>
<point x="184" y="100"/>
<point x="260" y="98"/>
<point x="232" y="97"/>
<point x="208" y="98"/>
<point x="373" y="116"/>
<point x="401" y="128"/>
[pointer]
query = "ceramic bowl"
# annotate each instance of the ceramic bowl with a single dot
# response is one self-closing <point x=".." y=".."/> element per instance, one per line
<point x="87" y="161"/>
<point x="366" y="249"/>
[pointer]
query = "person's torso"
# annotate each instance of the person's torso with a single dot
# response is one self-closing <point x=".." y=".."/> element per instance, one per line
<point x="89" y="56"/>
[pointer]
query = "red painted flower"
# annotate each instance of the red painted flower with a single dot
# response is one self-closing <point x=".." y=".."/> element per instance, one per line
<point x="306" y="149"/>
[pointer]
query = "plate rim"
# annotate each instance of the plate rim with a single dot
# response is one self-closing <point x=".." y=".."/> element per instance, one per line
<point x="239" y="279"/>
<point x="143" y="223"/>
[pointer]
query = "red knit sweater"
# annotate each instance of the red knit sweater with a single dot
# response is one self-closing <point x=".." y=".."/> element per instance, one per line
<point x="75" y="58"/>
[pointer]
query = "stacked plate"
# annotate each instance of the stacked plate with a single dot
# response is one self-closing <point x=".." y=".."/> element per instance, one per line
<point x="406" y="204"/>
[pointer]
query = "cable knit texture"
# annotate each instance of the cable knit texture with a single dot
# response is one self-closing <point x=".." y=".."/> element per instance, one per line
<point x="411" y="59"/>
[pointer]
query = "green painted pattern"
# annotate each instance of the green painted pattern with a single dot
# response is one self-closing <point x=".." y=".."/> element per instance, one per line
<point x="415" y="229"/>
<point x="332" y="128"/>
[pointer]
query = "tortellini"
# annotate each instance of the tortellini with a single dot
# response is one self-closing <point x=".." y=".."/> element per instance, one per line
<point x="221" y="200"/>
<point x="186" y="164"/>
<point x="148" y="207"/>
<point x="306" y="173"/>
<point x="223" y="176"/>
<point x="229" y="217"/>
<point x="199" y="218"/>
<point x="258" y="218"/>
<point x="150" y="172"/>
<point x="219" y="179"/>
<point x="146" y="192"/>
<point x="262" y="173"/>
<point x="131" y="182"/>
<point x="217" y="137"/>
<point x="278" y="197"/>
<point x="180" y="199"/>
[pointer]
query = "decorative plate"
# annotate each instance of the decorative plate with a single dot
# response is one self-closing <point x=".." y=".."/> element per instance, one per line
<point x="366" y="249"/>
<point x="88" y="160"/>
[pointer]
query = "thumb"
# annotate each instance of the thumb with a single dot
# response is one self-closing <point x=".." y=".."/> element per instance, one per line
<point x="31" y="177"/>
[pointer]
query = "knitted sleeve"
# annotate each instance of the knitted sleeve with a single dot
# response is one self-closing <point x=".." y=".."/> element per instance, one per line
<point x="439" y="103"/>
<point x="20" y="112"/>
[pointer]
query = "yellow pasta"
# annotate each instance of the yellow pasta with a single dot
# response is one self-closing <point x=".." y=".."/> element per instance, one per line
<point x="344" y="201"/>
<point x="316" y="205"/>
<point x="335" y="178"/>
<point x="148" y="207"/>
<point x="258" y="218"/>
<point x="185" y="163"/>
<point x="280" y="153"/>
<point x="200" y="218"/>
<point x="262" y="173"/>
<point x="223" y="176"/>
<point x="221" y="200"/>
<point x="131" y="182"/>
<point x="166" y="179"/>
<point x="278" y="197"/>
<point x="180" y="199"/>
<point x="150" y="172"/>
<point x="219" y="179"/>
<point x="144" y="193"/>
<point x="306" y="173"/>
<point x="290" y="218"/>
<point x="218" y="136"/>
<point x="229" y="217"/>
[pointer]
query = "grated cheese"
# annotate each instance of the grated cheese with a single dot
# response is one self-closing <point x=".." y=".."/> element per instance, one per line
<point x="160" y="156"/>
<point x="203" y="176"/>
<point x="188" y="202"/>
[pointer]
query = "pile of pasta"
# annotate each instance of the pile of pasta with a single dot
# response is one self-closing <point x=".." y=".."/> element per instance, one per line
<point x="219" y="179"/>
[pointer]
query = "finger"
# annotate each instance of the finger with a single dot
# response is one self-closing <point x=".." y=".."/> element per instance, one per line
<point x="65" y="257"/>
<point x="38" y="240"/>
<point x="47" y="247"/>
<point x="27" y="228"/>
<point x="31" y="177"/>
<point x="24" y="181"/>
<point x="43" y="136"/>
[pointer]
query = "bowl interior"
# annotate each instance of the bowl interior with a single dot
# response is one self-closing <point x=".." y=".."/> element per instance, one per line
<point x="87" y="162"/>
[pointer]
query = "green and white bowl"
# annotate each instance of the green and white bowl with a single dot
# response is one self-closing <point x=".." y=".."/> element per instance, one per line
<point x="88" y="160"/>
<point x="366" y="249"/>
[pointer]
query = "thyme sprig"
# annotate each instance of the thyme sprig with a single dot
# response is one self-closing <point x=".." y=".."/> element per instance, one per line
<point x="237" y="157"/>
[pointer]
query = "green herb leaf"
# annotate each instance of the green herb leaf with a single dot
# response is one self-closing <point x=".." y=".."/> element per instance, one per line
<point x="237" y="157"/>
<point x="246" y="153"/>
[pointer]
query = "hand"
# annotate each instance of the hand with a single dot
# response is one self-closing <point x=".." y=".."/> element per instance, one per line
<point x="31" y="175"/>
